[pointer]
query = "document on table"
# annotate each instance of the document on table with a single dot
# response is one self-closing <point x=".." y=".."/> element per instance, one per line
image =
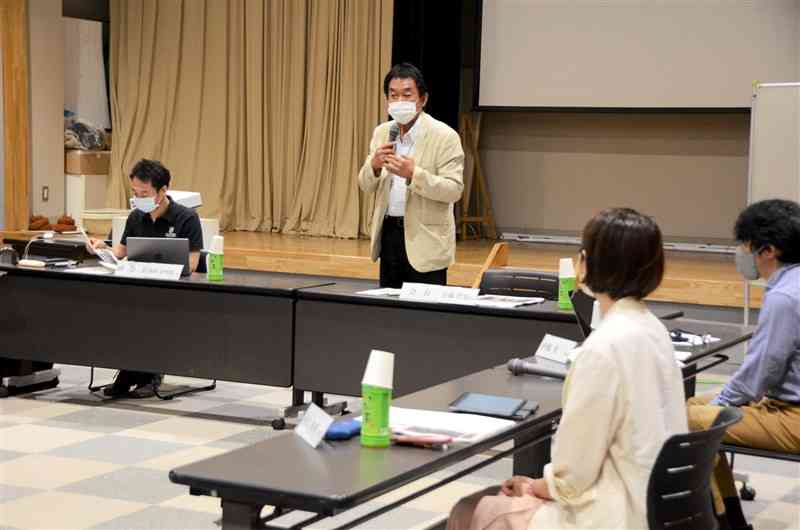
<point x="105" y="254"/>
<point x="386" y="291"/>
<point x="509" y="302"/>
<point x="468" y="428"/>
<point x="99" y="271"/>
<point x="448" y="294"/>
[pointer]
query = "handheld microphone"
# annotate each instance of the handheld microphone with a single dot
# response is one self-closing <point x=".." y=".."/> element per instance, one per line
<point x="518" y="366"/>
<point x="394" y="132"/>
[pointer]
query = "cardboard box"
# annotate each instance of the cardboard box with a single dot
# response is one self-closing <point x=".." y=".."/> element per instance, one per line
<point x="79" y="162"/>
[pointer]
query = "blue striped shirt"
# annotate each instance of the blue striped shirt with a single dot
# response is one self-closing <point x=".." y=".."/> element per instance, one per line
<point x="771" y="366"/>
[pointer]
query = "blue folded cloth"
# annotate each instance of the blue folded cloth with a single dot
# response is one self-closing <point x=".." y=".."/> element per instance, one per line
<point x="343" y="429"/>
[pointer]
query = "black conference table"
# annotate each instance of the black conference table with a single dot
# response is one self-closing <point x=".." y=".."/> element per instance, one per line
<point x="237" y="330"/>
<point x="337" y="328"/>
<point x="286" y="473"/>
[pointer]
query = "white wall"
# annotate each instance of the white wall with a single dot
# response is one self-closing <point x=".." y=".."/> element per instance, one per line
<point x="549" y="172"/>
<point x="634" y="53"/>
<point x="46" y="40"/>
<point x="84" y="73"/>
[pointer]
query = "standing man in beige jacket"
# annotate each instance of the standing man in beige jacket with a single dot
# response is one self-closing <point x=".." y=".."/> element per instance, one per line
<point x="416" y="167"/>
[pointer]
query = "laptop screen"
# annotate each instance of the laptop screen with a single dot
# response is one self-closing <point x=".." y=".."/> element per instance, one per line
<point x="583" y="305"/>
<point x="160" y="250"/>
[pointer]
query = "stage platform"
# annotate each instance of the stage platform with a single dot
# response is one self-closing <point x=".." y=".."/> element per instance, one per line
<point x="691" y="278"/>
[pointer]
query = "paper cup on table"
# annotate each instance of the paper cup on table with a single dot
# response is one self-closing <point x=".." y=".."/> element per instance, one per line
<point x="566" y="283"/>
<point x="217" y="245"/>
<point x="380" y="370"/>
<point x="566" y="268"/>
<point x="376" y="399"/>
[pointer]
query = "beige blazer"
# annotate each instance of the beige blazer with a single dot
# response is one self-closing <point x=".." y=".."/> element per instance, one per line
<point x="622" y="399"/>
<point x="438" y="181"/>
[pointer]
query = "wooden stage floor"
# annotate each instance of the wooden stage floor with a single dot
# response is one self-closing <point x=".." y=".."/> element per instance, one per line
<point x="692" y="278"/>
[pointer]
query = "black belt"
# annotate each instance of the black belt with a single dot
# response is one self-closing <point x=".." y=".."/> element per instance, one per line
<point x="391" y="220"/>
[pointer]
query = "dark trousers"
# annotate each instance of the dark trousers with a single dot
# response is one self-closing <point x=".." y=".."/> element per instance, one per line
<point x="395" y="268"/>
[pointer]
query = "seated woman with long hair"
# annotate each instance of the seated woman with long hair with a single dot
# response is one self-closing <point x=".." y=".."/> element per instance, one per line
<point x="622" y="398"/>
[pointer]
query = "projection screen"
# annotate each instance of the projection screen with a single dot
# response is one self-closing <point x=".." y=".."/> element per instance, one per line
<point x="633" y="53"/>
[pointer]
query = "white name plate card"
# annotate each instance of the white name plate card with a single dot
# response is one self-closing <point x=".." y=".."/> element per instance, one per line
<point x="148" y="271"/>
<point x="314" y="425"/>
<point x="556" y="349"/>
<point x="438" y="294"/>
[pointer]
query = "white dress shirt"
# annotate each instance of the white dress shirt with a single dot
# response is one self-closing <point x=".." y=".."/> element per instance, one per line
<point x="397" y="193"/>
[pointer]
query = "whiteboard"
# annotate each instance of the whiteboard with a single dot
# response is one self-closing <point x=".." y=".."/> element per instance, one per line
<point x="634" y="53"/>
<point x="775" y="142"/>
<point x="2" y="149"/>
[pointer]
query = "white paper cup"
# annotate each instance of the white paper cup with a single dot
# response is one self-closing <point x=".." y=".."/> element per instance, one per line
<point x="217" y="245"/>
<point x="566" y="268"/>
<point x="380" y="369"/>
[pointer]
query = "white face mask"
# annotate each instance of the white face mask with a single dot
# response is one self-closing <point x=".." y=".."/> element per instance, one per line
<point x="144" y="204"/>
<point x="403" y="111"/>
<point x="746" y="264"/>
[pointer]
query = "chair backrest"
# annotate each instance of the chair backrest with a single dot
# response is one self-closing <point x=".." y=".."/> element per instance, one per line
<point x="679" y="493"/>
<point x="520" y="282"/>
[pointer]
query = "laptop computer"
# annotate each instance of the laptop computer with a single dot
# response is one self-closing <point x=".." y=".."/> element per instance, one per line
<point x="173" y="250"/>
<point x="584" y="306"/>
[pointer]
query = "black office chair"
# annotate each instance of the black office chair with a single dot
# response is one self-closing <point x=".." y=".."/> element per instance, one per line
<point x="679" y="491"/>
<point x="520" y="282"/>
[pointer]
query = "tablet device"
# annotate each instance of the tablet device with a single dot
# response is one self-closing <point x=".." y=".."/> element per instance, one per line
<point x="487" y="405"/>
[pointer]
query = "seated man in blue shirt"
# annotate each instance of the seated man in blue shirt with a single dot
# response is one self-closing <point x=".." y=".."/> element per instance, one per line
<point x="766" y="387"/>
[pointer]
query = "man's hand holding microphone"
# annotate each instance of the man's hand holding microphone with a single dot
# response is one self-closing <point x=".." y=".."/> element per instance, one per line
<point x="385" y="157"/>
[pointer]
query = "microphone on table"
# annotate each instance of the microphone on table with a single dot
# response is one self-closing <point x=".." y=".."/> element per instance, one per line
<point x="518" y="367"/>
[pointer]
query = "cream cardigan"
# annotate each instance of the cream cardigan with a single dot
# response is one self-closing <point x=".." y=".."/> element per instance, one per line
<point x="430" y="230"/>
<point x="622" y="399"/>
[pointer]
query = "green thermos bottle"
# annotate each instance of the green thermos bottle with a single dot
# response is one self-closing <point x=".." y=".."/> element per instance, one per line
<point x="376" y="394"/>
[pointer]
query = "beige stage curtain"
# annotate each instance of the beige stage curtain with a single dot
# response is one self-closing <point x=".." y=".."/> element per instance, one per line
<point x="266" y="107"/>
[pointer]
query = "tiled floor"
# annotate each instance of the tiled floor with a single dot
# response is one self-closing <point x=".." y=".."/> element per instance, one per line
<point x="70" y="461"/>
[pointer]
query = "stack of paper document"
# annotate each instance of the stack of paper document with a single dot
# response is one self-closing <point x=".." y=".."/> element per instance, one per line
<point x="495" y="300"/>
<point x="91" y="270"/>
<point x="468" y="428"/>
<point x="446" y="294"/>
<point x="385" y="291"/>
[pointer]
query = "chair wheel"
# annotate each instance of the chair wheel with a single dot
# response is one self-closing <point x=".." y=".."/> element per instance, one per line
<point x="279" y="424"/>
<point x="747" y="493"/>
